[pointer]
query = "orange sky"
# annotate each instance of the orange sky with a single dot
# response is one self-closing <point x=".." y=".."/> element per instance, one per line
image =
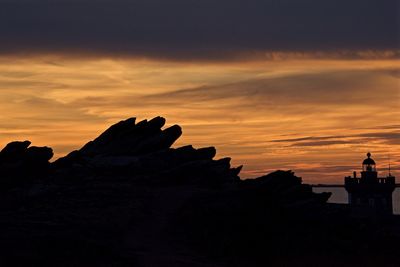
<point x="317" y="117"/>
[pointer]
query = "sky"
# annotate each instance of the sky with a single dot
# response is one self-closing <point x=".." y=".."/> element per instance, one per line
<point x="305" y="85"/>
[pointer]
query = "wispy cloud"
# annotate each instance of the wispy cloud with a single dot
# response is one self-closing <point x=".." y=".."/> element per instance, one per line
<point x="392" y="138"/>
<point x="270" y="115"/>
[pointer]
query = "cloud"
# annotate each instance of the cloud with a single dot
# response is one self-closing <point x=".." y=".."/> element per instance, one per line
<point x="260" y="114"/>
<point x="391" y="138"/>
<point x="323" y="90"/>
<point x="323" y="143"/>
<point x="208" y="29"/>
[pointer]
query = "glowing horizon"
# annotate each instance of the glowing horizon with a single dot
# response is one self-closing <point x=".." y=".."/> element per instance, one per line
<point x="317" y="117"/>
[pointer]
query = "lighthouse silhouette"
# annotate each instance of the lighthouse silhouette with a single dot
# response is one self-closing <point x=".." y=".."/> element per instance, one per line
<point x="370" y="195"/>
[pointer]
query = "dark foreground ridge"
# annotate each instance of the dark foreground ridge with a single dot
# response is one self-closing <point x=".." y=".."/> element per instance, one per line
<point x="128" y="199"/>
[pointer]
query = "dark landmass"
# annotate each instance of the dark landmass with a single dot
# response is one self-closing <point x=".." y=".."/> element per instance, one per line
<point x="327" y="185"/>
<point x="128" y="199"/>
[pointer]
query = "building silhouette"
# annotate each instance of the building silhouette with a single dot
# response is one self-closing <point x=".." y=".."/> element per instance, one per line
<point x="370" y="194"/>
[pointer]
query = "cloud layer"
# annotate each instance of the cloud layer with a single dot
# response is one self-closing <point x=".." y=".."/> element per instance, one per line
<point x="318" y="118"/>
<point x="191" y="29"/>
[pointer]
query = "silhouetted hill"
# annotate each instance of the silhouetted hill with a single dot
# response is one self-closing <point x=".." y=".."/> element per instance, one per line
<point x="128" y="199"/>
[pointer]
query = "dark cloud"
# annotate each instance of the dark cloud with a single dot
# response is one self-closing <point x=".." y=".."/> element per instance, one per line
<point x="324" y="143"/>
<point x="189" y="29"/>
<point x="391" y="138"/>
<point x="301" y="139"/>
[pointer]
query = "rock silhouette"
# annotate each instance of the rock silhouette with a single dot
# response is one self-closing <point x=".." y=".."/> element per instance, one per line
<point x="128" y="198"/>
<point x="128" y="138"/>
<point x="143" y="151"/>
<point x="20" y="163"/>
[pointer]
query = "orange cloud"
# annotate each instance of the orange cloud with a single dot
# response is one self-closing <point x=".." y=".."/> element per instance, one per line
<point x="243" y="108"/>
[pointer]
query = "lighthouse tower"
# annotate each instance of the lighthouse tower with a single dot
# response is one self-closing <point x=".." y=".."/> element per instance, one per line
<point x="370" y="194"/>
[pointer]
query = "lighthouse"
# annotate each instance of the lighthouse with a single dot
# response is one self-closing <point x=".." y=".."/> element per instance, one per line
<point x="370" y="195"/>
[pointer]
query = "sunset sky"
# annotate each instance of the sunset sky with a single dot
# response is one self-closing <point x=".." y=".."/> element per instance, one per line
<point x="305" y="85"/>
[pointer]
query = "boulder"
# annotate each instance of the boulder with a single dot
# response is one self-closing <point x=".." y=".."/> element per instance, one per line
<point x="36" y="154"/>
<point x="108" y="135"/>
<point x="14" y="151"/>
<point x="21" y="164"/>
<point x="127" y="138"/>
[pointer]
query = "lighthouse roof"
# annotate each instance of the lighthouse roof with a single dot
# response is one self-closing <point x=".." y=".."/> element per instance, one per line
<point x="368" y="161"/>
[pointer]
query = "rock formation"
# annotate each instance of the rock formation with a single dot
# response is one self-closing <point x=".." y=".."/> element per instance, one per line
<point x="143" y="151"/>
<point x="128" y="198"/>
<point x="20" y="163"/>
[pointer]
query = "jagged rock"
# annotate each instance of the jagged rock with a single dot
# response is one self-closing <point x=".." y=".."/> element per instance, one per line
<point x="236" y="171"/>
<point x="275" y="179"/>
<point x="128" y="138"/>
<point x="128" y="195"/>
<point x="206" y="153"/>
<point x="144" y="149"/>
<point x="21" y="152"/>
<point x="19" y="163"/>
<point x="170" y="135"/>
<point x="188" y="153"/>
<point x="38" y="154"/>
<point x="156" y="123"/>
<point x="74" y="157"/>
<point x="108" y="136"/>
<point x="163" y="140"/>
<point x="14" y="151"/>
